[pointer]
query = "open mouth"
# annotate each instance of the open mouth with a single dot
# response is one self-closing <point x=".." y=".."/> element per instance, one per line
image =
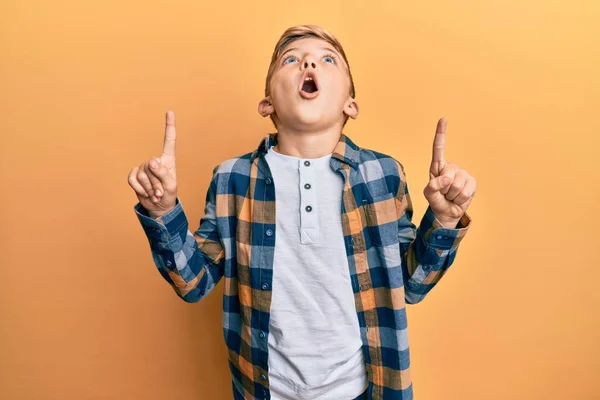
<point x="310" y="86"/>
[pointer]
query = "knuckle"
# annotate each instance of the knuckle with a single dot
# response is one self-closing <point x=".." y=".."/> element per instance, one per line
<point x="153" y="171"/>
<point x="144" y="182"/>
<point x="131" y="174"/>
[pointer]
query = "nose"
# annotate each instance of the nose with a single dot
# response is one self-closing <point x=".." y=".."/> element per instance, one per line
<point x="312" y="64"/>
<point x="308" y="61"/>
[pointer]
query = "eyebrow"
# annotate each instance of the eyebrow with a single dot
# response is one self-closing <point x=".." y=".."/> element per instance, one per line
<point x="322" y="48"/>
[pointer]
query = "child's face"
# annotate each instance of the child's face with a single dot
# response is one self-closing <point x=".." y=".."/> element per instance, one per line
<point x="299" y="109"/>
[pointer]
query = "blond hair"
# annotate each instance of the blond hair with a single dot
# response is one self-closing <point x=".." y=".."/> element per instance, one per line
<point x="301" y="32"/>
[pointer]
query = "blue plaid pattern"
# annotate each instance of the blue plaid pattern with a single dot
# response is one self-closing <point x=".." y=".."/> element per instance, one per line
<point x="392" y="262"/>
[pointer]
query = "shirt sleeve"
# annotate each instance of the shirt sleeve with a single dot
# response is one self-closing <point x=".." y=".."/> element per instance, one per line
<point x="428" y="250"/>
<point x="192" y="263"/>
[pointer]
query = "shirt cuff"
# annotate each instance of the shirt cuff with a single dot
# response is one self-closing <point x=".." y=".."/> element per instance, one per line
<point x="163" y="227"/>
<point x="435" y="234"/>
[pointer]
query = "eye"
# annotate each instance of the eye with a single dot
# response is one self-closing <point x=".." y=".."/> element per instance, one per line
<point x="331" y="57"/>
<point x="287" y="58"/>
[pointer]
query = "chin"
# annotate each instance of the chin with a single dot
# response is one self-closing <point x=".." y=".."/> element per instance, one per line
<point x="310" y="116"/>
<point x="309" y="121"/>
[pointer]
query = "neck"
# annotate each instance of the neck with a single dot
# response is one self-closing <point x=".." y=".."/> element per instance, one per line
<point x="307" y="144"/>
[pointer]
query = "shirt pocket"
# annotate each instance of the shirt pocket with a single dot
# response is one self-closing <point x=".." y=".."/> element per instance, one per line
<point x="381" y="218"/>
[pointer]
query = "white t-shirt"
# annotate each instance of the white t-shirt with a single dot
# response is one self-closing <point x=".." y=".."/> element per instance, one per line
<point x="314" y="337"/>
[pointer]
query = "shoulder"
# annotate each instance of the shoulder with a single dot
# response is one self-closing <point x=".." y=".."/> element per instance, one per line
<point x="375" y="161"/>
<point x="381" y="169"/>
<point x="232" y="175"/>
<point x="239" y="164"/>
<point x="233" y="168"/>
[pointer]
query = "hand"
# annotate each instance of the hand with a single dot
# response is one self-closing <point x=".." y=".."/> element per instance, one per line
<point x="156" y="187"/>
<point x="450" y="189"/>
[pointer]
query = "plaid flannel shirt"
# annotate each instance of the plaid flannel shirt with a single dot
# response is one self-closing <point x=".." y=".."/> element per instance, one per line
<point x="391" y="262"/>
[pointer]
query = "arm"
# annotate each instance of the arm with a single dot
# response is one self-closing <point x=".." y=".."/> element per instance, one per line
<point x="427" y="251"/>
<point x="191" y="263"/>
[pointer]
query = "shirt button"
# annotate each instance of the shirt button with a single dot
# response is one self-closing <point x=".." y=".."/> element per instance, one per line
<point x="169" y="263"/>
<point x="265" y="286"/>
<point x="307" y="186"/>
<point x="268" y="181"/>
<point x="263" y="376"/>
<point x="308" y="208"/>
<point x="269" y="232"/>
<point x="262" y="334"/>
<point x="307" y="163"/>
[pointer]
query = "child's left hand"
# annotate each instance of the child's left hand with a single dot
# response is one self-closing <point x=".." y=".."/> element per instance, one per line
<point x="450" y="189"/>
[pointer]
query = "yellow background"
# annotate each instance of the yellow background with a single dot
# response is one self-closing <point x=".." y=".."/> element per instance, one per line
<point x="84" y="89"/>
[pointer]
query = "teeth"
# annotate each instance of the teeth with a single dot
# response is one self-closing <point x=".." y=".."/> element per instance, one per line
<point x="308" y="79"/>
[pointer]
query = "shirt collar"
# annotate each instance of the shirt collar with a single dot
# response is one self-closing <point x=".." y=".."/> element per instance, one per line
<point x="345" y="150"/>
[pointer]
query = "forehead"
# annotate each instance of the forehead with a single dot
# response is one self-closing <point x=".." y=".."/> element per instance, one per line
<point x="308" y="43"/>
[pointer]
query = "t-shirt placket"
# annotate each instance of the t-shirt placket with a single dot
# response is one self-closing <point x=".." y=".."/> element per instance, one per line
<point x="309" y="229"/>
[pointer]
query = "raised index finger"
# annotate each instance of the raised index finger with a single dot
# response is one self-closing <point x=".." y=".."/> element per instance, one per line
<point x="169" y="144"/>
<point x="439" y="142"/>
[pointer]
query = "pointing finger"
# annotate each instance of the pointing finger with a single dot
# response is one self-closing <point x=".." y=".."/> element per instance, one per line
<point x="169" y="144"/>
<point x="439" y="142"/>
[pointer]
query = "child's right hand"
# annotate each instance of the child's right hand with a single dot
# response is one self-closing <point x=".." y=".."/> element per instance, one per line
<point x="156" y="188"/>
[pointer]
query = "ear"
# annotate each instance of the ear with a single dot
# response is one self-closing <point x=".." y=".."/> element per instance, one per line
<point x="265" y="107"/>
<point x="351" y="108"/>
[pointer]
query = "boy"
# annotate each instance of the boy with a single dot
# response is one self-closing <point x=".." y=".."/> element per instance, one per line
<point x="316" y="283"/>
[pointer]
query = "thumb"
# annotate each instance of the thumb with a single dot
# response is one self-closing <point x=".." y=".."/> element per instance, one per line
<point x="162" y="173"/>
<point x="435" y="185"/>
